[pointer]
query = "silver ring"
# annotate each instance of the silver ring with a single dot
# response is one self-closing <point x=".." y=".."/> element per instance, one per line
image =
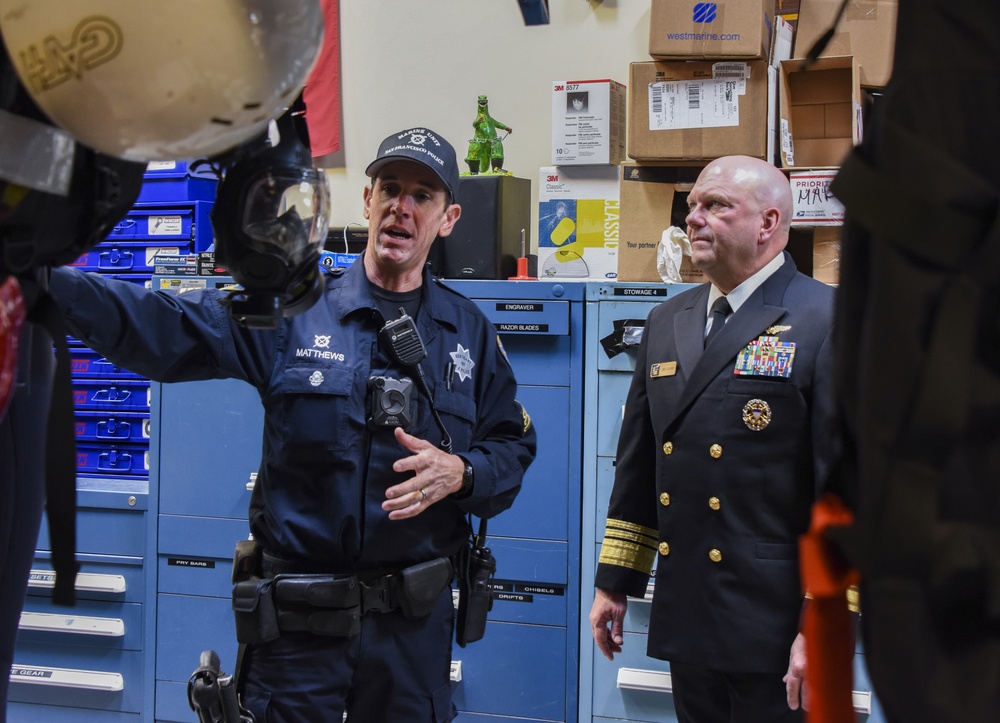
<point x="423" y="495"/>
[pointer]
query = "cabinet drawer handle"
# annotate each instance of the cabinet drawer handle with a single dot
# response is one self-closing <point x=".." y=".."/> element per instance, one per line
<point x="75" y="624"/>
<point x="85" y="581"/>
<point x="67" y="678"/>
<point x="654" y="681"/>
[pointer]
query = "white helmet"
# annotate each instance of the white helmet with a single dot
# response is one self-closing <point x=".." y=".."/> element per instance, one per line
<point x="164" y="80"/>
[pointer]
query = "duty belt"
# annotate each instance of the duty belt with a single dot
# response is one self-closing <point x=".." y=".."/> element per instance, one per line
<point x="332" y="604"/>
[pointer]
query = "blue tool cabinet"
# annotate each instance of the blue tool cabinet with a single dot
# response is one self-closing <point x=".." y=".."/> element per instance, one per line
<point x="634" y="687"/>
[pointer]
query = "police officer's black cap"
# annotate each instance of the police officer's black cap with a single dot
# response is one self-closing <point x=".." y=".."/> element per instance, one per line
<point x="420" y="145"/>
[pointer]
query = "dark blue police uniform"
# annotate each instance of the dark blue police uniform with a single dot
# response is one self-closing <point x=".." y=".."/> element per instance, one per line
<point x="316" y="506"/>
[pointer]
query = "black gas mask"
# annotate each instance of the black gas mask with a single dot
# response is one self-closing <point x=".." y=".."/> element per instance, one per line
<point x="270" y="220"/>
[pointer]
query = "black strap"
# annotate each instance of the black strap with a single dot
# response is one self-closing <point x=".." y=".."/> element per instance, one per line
<point x="60" y="456"/>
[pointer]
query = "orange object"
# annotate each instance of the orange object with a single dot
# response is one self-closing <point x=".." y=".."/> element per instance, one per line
<point x="522" y="271"/>
<point x="826" y="620"/>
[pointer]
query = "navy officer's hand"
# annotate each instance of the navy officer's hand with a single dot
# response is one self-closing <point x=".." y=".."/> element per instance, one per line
<point x="437" y="474"/>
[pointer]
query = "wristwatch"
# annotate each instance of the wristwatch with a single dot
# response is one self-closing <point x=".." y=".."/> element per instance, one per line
<point x="468" y="479"/>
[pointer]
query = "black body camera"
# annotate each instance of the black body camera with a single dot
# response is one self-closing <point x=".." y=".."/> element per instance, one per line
<point x="389" y="401"/>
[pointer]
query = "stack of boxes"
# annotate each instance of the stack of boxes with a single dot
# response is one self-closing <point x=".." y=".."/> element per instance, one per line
<point x="578" y="213"/>
<point x="721" y="79"/>
<point x="169" y="223"/>
<point x="708" y="90"/>
<point x="821" y="112"/>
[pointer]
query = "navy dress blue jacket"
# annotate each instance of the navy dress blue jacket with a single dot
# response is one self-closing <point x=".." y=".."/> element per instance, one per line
<point x="717" y="472"/>
<point x="323" y="472"/>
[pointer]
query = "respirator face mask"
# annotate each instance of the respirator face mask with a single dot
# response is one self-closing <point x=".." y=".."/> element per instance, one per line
<point x="270" y="219"/>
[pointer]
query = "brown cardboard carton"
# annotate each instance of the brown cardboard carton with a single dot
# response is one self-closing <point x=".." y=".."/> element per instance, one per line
<point x="867" y="31"/>
<point x="826" y="254"/>
<point x="697" y="110"/>
<point x="651" y="199"/>
<point x="710" y="31"/>
<point x="588" y="122"/>
<point x="819" y="112"/>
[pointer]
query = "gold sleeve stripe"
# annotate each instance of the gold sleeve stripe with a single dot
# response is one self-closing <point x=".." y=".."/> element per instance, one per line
<point x="627" y="554"/>
<point x="613" y="524"/>
<point x="629" y="545"/>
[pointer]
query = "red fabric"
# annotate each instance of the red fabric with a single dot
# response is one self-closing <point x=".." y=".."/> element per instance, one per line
<point x="11" y="319"/>
<point x="826" y="620"/>
<point x="322" y="91"/>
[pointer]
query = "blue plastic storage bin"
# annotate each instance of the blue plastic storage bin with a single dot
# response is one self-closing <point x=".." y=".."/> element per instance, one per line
<point x="104" y="460"/>
<point x="112" y="426"/>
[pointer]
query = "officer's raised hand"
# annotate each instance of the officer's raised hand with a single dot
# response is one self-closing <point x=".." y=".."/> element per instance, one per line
<point x="437" y="474"/>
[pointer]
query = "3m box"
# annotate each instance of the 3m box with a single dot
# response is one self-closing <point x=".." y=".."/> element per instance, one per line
<point x="588" y="122"/>
<point x="820" y="112"/>
<point x="653" y="198"/>
<point x="697" y="110"/>
<point x="812" y="202"/>
<point x="867" y="31"/>
<point x="687" y="30"/>
<point x="578" y="222"/>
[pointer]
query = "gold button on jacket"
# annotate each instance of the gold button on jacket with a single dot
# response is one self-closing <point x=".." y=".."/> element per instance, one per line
<point x="715" y="555"/>
<point x="664" y="548"/>
<point x="714" y="503"/>
<point x="668" y="448"/>
<point x="664" y="499"/>
<point x="715" y="450"/>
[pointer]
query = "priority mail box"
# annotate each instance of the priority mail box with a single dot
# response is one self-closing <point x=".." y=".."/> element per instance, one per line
<point x="578" y="222"/>
<point x="867" y="31"/>
<point x="695" y="110"/>
<point x="653" y="198"/>
<point x="812" y="202"/>
<point x="687" y="29"/>
<point x="588" y="122"/>
<point x="819" y="112"/>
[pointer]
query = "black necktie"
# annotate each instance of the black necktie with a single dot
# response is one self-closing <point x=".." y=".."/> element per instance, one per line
<point x="720" y="310"/>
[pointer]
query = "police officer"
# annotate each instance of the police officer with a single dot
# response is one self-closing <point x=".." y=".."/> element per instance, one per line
<point x="722" y="447"/>
<point x="358" y="509"/>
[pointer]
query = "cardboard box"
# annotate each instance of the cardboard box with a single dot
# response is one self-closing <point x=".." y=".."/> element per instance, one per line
<point x="697" y="110"/>
<point x="867" y="31"/>
<point x="819" y="112"/>
<point x="812" y="202"/>
<point x="826" y="254"/>
<point x="578" y="222"/>
<point x="736" y="29"/>
<point x="653" y="198"/>
<point x="588" y="122"/>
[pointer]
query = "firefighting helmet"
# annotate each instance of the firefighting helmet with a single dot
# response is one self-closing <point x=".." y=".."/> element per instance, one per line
<point x="146" y="81"/>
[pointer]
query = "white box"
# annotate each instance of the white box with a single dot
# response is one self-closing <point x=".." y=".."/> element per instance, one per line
<point x="812" y="202"/>
<point x="578" y="222"/>
<point x="588" y="122"/>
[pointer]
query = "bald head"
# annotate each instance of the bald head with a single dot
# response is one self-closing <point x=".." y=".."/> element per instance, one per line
<point x="763" y="183"/>
<point x="740" y="215"/>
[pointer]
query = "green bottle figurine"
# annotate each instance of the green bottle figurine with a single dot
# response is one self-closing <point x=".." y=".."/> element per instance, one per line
<point x="486" y="147"/>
